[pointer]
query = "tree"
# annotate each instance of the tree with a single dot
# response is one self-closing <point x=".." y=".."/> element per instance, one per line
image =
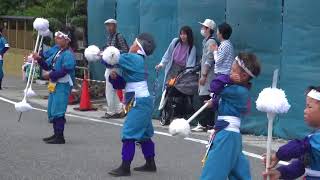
<point x="74" y="11"/>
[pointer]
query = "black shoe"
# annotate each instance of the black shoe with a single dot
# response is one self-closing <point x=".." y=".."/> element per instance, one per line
<point x="0" y="84"/>
<point x="118" y="115"/>
<point x="48" y="138"/>
<point x="106" y="116"/>
<point x="123" y="170"/>
<point x="58" y="139"/>
<point x="150" y="166"/>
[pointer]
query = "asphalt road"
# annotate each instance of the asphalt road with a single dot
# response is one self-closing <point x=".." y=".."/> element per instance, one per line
<point x="92" y="149"/>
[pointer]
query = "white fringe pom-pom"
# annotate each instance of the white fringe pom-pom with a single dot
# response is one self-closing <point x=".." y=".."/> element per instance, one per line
<point x="30" y="92"/>
<point x="46" y="33"/>
<point x="179" y="127"/>
<point x="41" y="24"/>
<point x="273" y="100"/>
<point x="22" y="106"/>
<point x="92" y="53"/>
<point x="111" y="55"/>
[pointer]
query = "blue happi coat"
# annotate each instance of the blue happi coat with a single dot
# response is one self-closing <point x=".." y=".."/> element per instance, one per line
<point x="138" y="123"/>
<point x="225" y="159"/>
<point x="62" y="67"/>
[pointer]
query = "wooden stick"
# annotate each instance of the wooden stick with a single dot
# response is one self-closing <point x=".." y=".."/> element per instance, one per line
<point x="198" y="112"/>
<point x="20" y="115"/>
<point x="271" y="117"/>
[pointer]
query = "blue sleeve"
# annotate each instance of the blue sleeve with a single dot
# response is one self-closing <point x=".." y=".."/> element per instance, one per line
<point x="294" y="149"/>
<point x="168" y="54"/>
<point x="50" y="52"/>
<point x="4" y="50"/>
<point x="192" y="59"/>
<point x="6" y="46"/>
<point x="131" y="62"/>
<point x="69" y="62"/>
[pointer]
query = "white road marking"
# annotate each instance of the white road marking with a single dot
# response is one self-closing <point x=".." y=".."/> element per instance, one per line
<point x="253" y="155"/>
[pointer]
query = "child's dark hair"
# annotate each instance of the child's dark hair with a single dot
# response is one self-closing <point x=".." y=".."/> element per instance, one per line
<point x="251" y="62"/>
<point x="188" y="31"/>
<point x="225" y="30"/>
<point x="317" y="88"/>
<point x="1" y="28"/>
<point x="70" y="31"/>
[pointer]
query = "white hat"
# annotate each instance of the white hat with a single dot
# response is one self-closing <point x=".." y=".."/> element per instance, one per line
<point x="209" y="24"/>
<point x="110" y="21"/>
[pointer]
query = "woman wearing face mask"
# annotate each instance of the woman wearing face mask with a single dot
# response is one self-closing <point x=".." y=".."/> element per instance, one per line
<point x="206" y="118"/>
<point x="180" y="54"/>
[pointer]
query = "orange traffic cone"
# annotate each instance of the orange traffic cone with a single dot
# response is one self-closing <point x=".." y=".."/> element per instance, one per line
<point x="85" y="103"/>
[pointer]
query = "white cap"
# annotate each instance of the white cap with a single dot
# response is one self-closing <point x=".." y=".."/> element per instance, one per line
<point x="209" y="24"/>
<point x="110" y="21"/>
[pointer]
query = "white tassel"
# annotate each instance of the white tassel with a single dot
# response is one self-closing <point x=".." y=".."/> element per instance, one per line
<point x="111" y="55"/>
<point x="23" y="106"/>
<point x="179" y="127"/>
<point x="41" y="24"/>
<point x="30" y="92"/>
<point x="273" y="100"/>
<point x="92" y="53"/>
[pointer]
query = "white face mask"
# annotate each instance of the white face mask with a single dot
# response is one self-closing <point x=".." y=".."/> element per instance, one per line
<point x="203" y="32"/>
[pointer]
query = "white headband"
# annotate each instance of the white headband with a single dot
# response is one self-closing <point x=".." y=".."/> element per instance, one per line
<point x="62" y="35"/>
<point x="314" y="94"/>
<point x="243" y="66"/>
<point x="141" y="51"/>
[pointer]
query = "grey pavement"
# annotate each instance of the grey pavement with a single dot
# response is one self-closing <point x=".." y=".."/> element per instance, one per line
<point x="93" y="145"/>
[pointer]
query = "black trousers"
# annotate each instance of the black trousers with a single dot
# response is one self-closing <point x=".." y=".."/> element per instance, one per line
<point x="206" y="117"/>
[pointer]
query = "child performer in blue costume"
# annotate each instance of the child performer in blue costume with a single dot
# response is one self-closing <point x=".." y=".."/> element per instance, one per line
<point x="4" y="46"/>
<point x="225" y="158"/>
<point x="138" y="123"/>
<point x="61" y="75"/>
<point x="305" y="151"/>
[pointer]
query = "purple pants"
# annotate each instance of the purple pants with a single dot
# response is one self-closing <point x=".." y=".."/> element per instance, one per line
<point x="58" y="126"/>
<point x="128" y="149"/>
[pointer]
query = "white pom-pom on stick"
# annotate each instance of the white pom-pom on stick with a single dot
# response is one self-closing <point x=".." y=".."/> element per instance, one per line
<point x="111" y="55"/>
<point x="92" y="53"/>
<point x="181" y="127"/>
<point x="30" y="92"/>
<point x="273" y="101"/>
<point x="45" y="33"/>
<point x="22" y="106"/>
<point x="41" y="24"/>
